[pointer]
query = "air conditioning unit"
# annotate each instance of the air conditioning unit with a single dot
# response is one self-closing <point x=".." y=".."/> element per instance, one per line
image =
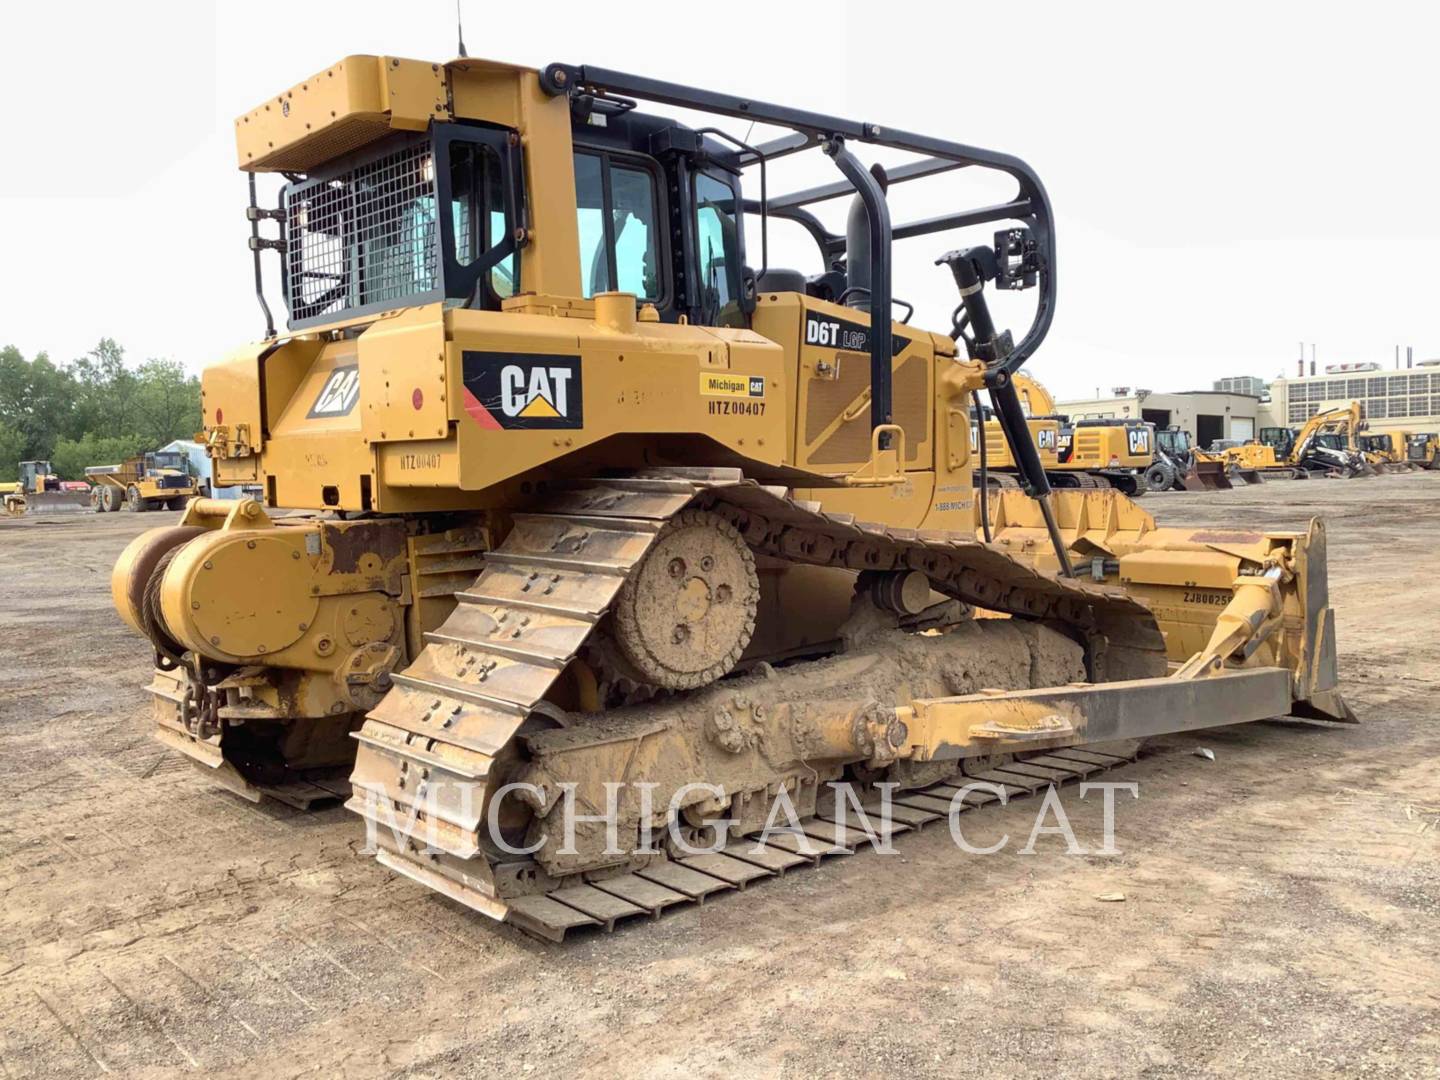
<point x="1345" y="369"/>
<point x="1120" y="391"/>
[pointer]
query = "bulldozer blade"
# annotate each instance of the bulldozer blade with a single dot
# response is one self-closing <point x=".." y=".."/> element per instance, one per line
<point x="57" y="502"/>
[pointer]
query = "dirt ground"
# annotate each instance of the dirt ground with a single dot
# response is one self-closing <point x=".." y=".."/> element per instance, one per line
<point x="1281" y="911"/>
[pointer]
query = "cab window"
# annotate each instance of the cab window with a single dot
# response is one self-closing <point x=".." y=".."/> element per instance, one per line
<point x="477" y="211"/>
<point x="618" y="214"/>
<point x="717" y="244"/>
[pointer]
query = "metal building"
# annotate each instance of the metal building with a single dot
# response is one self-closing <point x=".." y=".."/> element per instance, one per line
<point x="1207" y="415"/>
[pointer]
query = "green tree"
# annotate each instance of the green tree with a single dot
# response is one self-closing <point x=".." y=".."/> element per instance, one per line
<point x="166" y="403"/>
<point x="105" y="391"/>
<point x="37" y="399"/>
<point x="94" y="410"/>
<point x="12" y="451"/>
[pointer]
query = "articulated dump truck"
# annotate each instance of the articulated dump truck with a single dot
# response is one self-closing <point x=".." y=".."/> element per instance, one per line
<point x="584" y="516"/>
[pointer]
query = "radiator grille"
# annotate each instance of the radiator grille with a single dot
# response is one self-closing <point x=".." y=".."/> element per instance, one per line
<point x="366" y="237"/>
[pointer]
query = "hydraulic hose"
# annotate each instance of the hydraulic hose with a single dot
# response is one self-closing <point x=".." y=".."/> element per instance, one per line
<point x="984" y="467"/>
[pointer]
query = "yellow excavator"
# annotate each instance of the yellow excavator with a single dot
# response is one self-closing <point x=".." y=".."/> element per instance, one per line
<point x="1327" y="445"/>
<point x="1112" y="452"/>
<point x="600" y="548"/>
<point x="999" y="468"/>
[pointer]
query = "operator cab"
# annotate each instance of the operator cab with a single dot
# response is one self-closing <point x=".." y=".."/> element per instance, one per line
<point x="165" y="461"/>
<point x="1281" y="438"/>
<point x="38" y="476"/>
<point x="658" y="210"/>
<point x="1173" y="441"/>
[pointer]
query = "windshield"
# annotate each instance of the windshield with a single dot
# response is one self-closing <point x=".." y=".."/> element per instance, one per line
<point x="1276" y="436"/>
<point x="168" y="460"/>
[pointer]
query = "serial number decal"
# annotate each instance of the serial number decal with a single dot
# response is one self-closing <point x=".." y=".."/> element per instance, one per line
<point x="737" y="408"/>
<point x="419" y="461"/>
<point x="723" y="384"/>
<point x="1218" y="599"/>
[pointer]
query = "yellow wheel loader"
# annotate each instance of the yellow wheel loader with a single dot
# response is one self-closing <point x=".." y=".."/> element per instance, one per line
<point x="158" y="480"/>
<point x="610" y="548"/>
<point x="1179" y="466"/>
<point x="40" y="490"/>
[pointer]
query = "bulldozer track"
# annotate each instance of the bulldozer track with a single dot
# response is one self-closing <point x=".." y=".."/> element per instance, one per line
<point x="602" y="902"/>
<point x="454" y="711"/>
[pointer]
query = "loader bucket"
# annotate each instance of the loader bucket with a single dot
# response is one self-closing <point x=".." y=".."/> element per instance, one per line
<point x="1207" y="476"/>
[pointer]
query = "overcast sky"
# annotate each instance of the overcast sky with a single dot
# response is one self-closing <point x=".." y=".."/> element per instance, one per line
<point x="1228" y="179"/>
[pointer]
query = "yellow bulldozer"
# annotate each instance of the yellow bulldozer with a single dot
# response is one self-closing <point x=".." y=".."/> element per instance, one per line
<point x="156" y="480"/>
<point x="40" y="490"/>
<point x="602" y="548"/>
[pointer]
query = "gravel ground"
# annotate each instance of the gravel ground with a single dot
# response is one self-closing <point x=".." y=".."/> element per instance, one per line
<point x="1281" y="911"/>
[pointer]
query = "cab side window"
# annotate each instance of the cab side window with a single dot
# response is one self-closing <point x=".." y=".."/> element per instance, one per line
<point x="618" y="212"/>
<point x="717" y="243"/>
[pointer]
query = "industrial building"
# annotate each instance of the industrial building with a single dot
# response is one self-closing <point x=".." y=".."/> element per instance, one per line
<point x="1207" y="414"/>
<point x="1408" y="398"/>
<point x="1240" y="384"/>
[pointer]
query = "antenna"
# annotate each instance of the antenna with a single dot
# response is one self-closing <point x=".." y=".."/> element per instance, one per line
<point x="460" y="31"/>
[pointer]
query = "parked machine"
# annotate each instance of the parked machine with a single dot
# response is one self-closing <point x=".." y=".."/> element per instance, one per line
<point x="40" y="490"/>
<point x="1001" y="469"/>
<point x="1389" y="451"/>
<point x="158" y="480"/>
<point x="1113" y="452"/>
<point x="575" y="481"/>
<point x="1177" y="466"/>
<point x="1327" y="445"/>
<point x="1423" y="449"/>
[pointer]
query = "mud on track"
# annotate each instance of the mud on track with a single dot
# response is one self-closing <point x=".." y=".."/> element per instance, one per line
<point x="1282" y="910"/>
